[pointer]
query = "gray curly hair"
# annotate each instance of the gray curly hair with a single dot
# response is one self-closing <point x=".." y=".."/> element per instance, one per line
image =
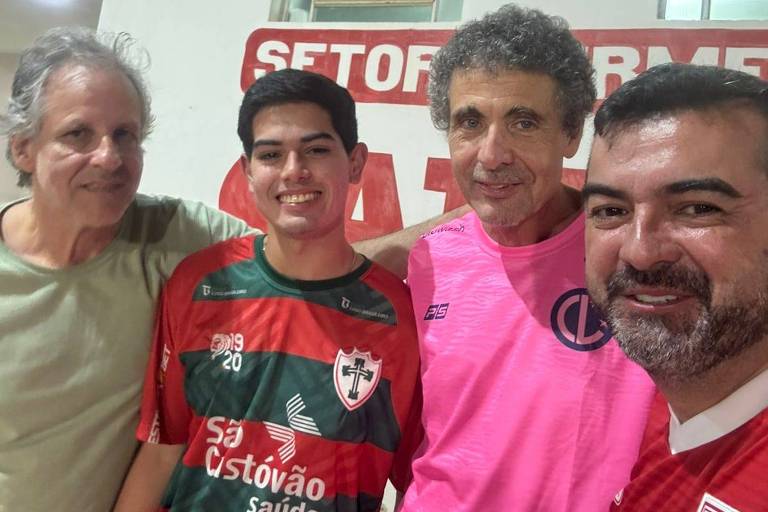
<point x="53" y="50"/>
<point x="517" y="38"/>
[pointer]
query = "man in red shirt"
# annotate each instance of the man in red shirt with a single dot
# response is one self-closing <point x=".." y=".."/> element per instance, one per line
<point x="676" y="202"/>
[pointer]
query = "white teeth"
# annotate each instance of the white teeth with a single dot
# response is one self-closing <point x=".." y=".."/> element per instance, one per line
<point x="656" y="299"/>
<point x="298" y="198"/>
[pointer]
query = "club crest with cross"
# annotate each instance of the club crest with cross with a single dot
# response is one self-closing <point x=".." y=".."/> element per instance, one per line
<point x="356" y="376"/>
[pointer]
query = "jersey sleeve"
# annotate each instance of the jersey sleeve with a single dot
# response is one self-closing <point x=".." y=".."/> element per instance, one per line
<point x="165" y="415"/>
<point x="413" y="434"/>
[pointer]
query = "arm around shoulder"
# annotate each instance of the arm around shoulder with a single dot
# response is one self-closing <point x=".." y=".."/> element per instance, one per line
<point x="391" y="251"/>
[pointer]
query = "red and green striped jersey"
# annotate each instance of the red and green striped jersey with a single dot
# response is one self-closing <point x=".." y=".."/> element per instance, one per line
<point x="291" y="396"/>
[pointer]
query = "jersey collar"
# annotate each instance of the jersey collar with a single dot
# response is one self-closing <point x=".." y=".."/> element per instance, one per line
<point x="722" y="418"/>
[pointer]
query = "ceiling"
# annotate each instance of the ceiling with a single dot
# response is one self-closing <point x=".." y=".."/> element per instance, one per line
<point x="23" y="20"/>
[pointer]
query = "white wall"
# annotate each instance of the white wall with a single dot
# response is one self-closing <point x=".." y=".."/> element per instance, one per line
<point x="197" y="50"/>
<point x="8" y="189"/>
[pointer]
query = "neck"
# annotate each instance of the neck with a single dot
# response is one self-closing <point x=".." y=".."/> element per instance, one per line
<point x="50" y="240"/>
<point x="689" y="398"/>
<point x="552" y="218"/>
<point x="310" y="260"/>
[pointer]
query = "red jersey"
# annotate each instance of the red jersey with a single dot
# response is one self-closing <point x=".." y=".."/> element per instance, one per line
<point x="723" y="475"/>
<point x="290" y="395"/>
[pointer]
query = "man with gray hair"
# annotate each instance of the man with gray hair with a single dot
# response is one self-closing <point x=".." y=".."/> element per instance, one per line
<point x="528" y="404"/>
<point x="677" y="216"/>
<point x="82" y="260"/>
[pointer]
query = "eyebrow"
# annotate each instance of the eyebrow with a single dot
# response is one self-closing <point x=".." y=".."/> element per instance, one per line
<point x="598" y="189"/>
<point x="469" y="110"/>
<point x="703" y="185"/>
<point x="679" y="187"/>
<point x="516" y="111"/>
<point x="307" y="138"/>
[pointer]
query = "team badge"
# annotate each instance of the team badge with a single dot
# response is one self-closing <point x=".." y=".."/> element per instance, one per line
<point x="356" y="376"/>
<point x="576" y="322"/>
<point x="711" y="504"/>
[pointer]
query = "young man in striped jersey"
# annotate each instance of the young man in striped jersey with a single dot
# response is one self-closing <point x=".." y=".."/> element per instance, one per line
<point x="677" y="253"/>
<point x="285" y="367"/>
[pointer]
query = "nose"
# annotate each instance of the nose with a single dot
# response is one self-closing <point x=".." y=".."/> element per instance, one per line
<point x="107" y="155"/>
<point x="495" y="148"/>
<point x="648" y="242"/>
<point x="294" y="168"/>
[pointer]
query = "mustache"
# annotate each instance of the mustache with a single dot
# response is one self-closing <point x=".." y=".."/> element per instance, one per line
<point x="664" y="275"/>
<point x="503" y="174"/>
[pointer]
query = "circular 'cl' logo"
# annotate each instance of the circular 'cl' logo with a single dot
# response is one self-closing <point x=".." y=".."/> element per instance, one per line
<point x="577" y="323"/>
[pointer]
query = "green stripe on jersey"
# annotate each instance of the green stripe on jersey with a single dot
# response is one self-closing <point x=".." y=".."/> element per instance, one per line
<point x="255" y="278"/>
<point x="265" y="388"/>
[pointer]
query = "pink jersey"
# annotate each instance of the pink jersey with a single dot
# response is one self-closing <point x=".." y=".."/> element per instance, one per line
<point x="528" y="402"/>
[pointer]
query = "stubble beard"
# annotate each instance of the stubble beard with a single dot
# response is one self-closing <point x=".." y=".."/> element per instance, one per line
<point x="678" y="348"/>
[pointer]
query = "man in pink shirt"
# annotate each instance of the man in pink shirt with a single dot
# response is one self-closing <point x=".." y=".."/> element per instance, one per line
<point x="528" y="402"/>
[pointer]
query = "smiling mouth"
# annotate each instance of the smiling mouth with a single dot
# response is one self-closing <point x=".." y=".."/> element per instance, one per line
<point x="655" y="299"/>
<point x="298" y="198"/>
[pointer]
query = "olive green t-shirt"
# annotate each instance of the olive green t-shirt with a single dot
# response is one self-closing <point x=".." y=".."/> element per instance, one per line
<point x="73" y="349"/>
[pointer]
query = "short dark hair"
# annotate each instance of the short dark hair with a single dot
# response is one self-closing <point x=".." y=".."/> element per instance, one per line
<point x="672" y="88"/>
<point x="516" y="38"/>
<point x="295" y="86"/>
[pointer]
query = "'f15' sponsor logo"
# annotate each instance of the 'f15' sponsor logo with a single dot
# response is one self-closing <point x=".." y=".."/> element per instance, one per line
<point x="436" y="311"/>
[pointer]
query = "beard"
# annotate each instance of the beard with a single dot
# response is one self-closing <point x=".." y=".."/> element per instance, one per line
<point x="677" y="347"/>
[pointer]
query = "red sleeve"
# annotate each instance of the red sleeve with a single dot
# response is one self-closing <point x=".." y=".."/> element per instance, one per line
<point x="412" y="436"/>
<point x="165" y="415"/>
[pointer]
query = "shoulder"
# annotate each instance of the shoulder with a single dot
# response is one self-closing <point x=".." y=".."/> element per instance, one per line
<point x="391" y="287"/>
<point x="159" y="207"/>
<point x="389" y="283"/>
<point x="194" y="269"/>
<point x="182" y="225"/>
<point x="444" y="242"/>
<point x="455" y="229"/>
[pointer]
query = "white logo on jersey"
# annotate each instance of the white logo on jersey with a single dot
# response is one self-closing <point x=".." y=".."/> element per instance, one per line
<point x="619" y="496"/>
<point x="230" y="345"/>
<point x="711" y="504"/>
<point x="297" y="422"/>
<point x="355" y="376"/>
<point x="154" y="431"/>
<point x="166" y="357"/>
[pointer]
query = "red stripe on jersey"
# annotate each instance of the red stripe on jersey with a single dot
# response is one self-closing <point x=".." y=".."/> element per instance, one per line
<point x="238" y="449"/>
